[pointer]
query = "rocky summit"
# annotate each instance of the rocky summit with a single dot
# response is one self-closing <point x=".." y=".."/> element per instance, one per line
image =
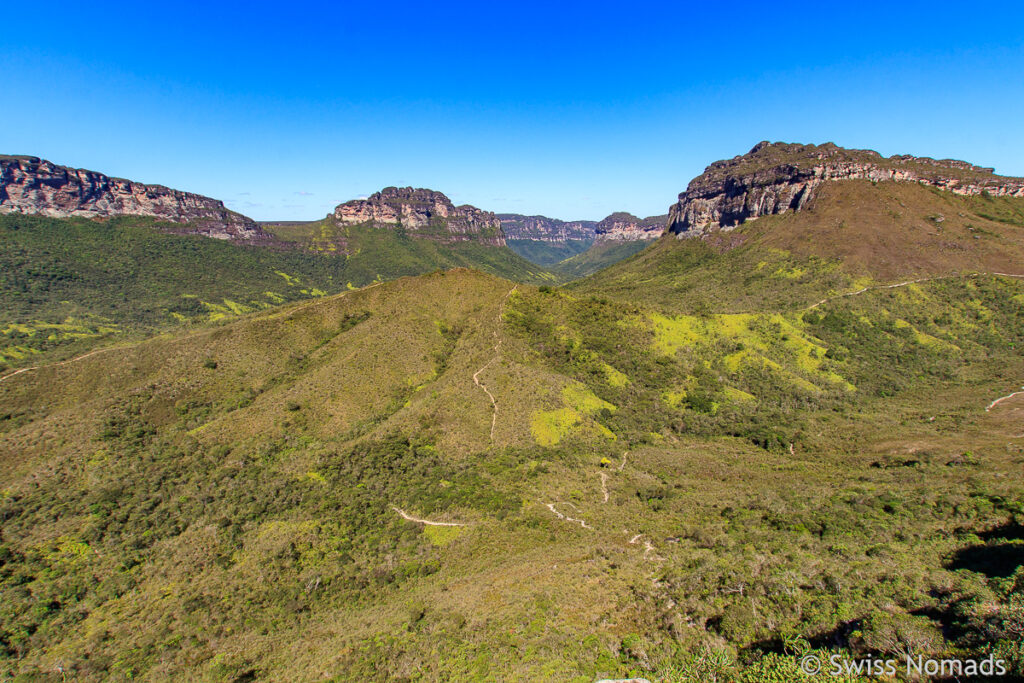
<point x="625" y="227"/>
<point x="774" y="178"/>
<point x="544" y="229"/>
<point x="423" y="213"/>
<point x="30" y="185"/>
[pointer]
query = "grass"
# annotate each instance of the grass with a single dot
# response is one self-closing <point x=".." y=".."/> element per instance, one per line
<point x="864" y="234"/>
<point x="194" y="506"/>
<point x="73" y="283"/>
<point x="548" y="254"/>
<point x="758" y="478"/>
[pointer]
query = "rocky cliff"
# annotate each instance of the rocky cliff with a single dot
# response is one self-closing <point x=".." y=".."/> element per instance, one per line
<point x="30" y="185"/>
<point x="423" y="213"/>
<point x="625" y="227"/>
<point x="778" y="177"/>
<point x="544" y="229"/>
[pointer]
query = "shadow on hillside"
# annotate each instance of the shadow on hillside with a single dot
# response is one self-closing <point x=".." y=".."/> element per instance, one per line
<point x="998" y="560"/>
<point x="999" y="557"/>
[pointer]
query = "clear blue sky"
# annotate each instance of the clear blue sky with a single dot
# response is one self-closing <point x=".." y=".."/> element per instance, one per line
<point x="571" y="110"/>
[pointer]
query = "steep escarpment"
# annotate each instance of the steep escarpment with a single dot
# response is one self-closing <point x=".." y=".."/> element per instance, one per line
<point x="30" y="185"/>
<point x="774" y="178"/>
<point x="625" y="227"/>
<point x="544" y="229"/>
<point x="423" y="213"/>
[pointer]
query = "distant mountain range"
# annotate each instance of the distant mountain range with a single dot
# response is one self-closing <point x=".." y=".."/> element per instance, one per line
<point x="619" y="226"/>
<point x="788" y="429"/>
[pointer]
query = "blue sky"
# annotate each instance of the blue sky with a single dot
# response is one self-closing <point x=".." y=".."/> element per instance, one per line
<point x="572" y="110"/>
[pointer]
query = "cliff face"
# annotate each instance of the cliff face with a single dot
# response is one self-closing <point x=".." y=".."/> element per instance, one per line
<point x="425" y="213"/>
<point x="778" y="177"/>
<point x="625" y="227"/>
<point x="29" y="185"/>
<point x="544" y="229"/>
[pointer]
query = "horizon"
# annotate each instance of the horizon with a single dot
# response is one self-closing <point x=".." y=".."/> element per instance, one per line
<point x="571" y="113"/>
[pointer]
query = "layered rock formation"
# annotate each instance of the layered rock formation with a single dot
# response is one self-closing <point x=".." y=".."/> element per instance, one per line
<point x="424" y="213"/>
<point x="544" y="229"/>
<point x="29" y="185"/>
<point x="777" y="177"/>
<point x="625" y="227"/>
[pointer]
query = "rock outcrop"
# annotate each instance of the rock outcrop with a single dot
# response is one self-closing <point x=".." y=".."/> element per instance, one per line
<point x="625" y="227"/>
<point x="29" y="185"/>
<point x="544" y="229"/>
<point x="777" y="177"/>
<point x="423" y="213"/>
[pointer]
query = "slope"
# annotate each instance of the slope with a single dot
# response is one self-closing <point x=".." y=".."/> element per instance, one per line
<point x="853" y="234"/>
<point x="72" y="283"/>
<point x="638" y="493"/>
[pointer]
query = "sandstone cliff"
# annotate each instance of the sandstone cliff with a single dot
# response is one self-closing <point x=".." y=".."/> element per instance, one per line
<point x="29" y="185"/>
<point x="423" y="213"/>
<point x="544" y="229"/>
<point x="625" y="227"/>
<point x="778" y="177"/>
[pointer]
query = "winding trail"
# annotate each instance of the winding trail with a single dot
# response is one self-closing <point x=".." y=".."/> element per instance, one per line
<point x="868" y="289"/>
<point x="604" y="486"/>
<point x="648" y="548"/>
<point x="904" y="284"/>
<point x="424" y="521"/>
<point x="497" y="348"/>
<point x="999" y="400"/>
<point x="551" y="506"/>
<point x="63" y="362"/>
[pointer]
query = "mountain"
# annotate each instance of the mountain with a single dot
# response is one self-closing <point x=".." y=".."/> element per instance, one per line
<point x="793" y="223"/>
<point x="729" y="454"/>
<point x="544" y="229"/>
<point x="388" y="483"/>
<point x="776" y="178"/>
<point x="30" y="185"/>
<point x="622" y="227"/>
<point x="423" y="213"/>
<point x="577" y="248"/>
<point x="86" y="259"/>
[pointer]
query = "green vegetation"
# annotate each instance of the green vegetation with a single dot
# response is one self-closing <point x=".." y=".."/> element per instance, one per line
<point x="824" y="480"/>
<point x="548" y="253"/>
<point x="595" y="258"/>
<point x="72" y="283"/>
<point x="703" y="463"/>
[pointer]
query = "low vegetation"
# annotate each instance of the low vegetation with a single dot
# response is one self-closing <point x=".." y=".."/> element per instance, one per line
<point x="777" y="483"/>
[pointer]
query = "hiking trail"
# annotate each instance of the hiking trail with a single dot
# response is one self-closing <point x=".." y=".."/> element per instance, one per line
<point x="497" y="355"/>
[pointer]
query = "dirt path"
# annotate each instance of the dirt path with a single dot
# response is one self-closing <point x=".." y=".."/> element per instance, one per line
<point x="868" y="289"/>
<point x="497" y="355"/>
<point x="63" y="362"/>
<point x="604" y="486"/>
<point x="648" y="547"/>
<point x="999" y="400"/>
<point x="902" y="284"/>
<point x="551" y="506"/>
<point x="424" y="521"/>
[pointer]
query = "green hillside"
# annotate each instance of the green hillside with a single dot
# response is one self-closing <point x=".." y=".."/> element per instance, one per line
<point x="630" y="490"/>
<point x="599" y="256"/>
<point x="548" y="253"/>
<point x="72" y="283"/>
<point x="856" y="234"/>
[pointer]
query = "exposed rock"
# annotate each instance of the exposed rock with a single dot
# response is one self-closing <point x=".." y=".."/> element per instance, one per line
<point x="625" y="227"/>
<point x="29" y="185"/>
<point x="544" y="229"/>
<point x="777" y="177"/>
<point x="424" y="213"/>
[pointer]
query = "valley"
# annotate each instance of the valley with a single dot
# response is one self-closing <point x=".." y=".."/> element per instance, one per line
<point x="389" y="447"/>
